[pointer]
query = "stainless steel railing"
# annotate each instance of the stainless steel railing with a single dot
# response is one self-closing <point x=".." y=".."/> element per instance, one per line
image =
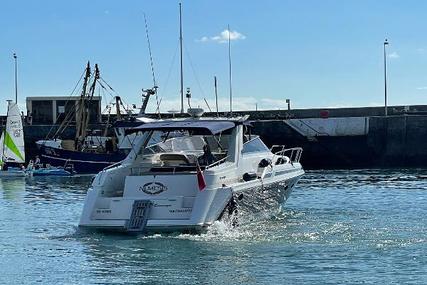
<point x="293" y="153"/>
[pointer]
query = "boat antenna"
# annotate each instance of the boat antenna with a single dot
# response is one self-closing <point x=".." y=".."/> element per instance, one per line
<point x="216" y="96"/>
<point x="152" y="67"/>
<point x="181" y="60"/>
<point x="16" y="77"/>
<point x="229" y="70"/>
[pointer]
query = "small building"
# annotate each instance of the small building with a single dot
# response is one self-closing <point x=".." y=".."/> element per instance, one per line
<point x="42" y="110"/>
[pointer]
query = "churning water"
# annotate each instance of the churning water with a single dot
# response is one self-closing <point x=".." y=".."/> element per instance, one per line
<point x="355" y="227"/>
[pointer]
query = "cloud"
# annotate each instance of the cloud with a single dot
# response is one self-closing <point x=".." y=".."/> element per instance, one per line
<point x="422" y="88"/>
<point x="394" y="55"/>
<point x="223" y="37"/>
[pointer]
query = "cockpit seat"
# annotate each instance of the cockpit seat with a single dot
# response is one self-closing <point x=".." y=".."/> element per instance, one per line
<point x="174" y="159"/>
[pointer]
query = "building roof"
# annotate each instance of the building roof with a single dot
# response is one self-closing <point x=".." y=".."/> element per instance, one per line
<point x="62" y="98"/>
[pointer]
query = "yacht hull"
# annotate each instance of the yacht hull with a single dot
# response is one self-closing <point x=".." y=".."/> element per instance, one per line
<point x="238" y="204"/>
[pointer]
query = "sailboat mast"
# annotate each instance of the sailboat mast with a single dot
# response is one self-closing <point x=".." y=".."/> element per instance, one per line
<point x="180" y="47"/>
<point x="16" y="77"/>
<point x="4" y="133"/>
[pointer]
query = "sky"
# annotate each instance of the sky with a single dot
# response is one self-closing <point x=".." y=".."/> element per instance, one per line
<point x="319" y="54"/>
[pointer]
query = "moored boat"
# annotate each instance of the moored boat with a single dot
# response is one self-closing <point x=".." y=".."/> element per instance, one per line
<point x="86" y="153"/>
<point x="50" y="171"/>
<point x="12" y="144"/>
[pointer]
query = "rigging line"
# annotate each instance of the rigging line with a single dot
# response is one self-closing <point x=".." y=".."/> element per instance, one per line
<point x="105" y="98"/>
<point x="169" y="72"/>
<point x="158" y="106"/>
<point x="194" y="71"/>
<point x="66" y="103"/>
<point x="151" y="61"/>
<point x="207" y="105"/>
<point x="103" y="80"/>
<point x="149" y="51"/>
<point x="105" y="89"/>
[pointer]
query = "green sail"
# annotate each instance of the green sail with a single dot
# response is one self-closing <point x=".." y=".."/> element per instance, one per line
<point x="8" y="142"/>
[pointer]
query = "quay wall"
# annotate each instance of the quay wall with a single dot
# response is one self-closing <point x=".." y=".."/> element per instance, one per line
<point x="394" y="141"/>
<point x="376" y="141"/>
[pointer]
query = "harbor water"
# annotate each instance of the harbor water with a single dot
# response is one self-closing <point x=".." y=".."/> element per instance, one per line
<point x="338" y="227"/>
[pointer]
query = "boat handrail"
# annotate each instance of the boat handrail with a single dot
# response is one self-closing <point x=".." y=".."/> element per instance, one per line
<point x="167" y="170"/>
<point x="113" y="165"/>
<point x="294" y="153"/>
<point x="282" y="146"/>
<point x="218" y="162"/>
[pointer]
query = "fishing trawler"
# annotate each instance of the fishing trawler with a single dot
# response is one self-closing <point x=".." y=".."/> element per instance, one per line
<point x="12" y="144"/>
<point x="87" y="153"/>
<point x="185" y="174"/>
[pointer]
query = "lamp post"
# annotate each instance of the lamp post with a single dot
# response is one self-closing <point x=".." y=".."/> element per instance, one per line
<point x="16" y="77"/>
<point x="288" y="101"/>
<point x="385" y="77"/>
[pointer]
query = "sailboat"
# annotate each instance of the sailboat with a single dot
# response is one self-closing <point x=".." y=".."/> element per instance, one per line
<point x="12" y="144"/>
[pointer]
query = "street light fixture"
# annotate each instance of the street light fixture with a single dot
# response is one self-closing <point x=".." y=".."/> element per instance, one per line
<point x="385" y="77"/>
<point x="16" y="77"/>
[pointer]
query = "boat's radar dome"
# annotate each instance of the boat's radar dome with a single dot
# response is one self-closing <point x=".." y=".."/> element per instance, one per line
<point x="195" y="112"/>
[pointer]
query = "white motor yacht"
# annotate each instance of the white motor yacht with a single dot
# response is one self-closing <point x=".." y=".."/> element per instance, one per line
<point x="185" y="174"/>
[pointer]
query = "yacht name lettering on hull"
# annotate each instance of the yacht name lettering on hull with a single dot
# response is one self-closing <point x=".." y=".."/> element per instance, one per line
<point x="189" y="210"/>
<point x="153" y="188"/>
<point x="103" y="211"/>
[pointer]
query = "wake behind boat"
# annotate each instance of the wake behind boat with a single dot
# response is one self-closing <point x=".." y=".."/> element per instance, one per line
<point x="183" y="175"/>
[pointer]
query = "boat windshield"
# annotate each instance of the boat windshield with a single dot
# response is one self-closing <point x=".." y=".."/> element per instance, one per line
<point x="206" y="148"/>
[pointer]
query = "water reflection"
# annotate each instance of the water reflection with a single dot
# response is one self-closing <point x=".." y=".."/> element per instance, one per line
<point x="60" y="189"/>
<point x="12" y="188"/>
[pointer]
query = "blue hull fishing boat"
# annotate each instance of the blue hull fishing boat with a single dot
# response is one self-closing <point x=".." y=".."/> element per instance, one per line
<point x="82" y="162"/>
<point x="86" y="153"/>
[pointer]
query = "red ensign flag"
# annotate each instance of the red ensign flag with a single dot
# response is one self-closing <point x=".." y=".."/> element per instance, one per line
<point x="200" y="178"/>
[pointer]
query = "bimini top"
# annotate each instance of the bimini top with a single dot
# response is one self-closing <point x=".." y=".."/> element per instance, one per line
<point x="199" y="127"/>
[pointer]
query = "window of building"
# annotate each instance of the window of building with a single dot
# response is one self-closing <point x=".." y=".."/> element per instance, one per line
<point x="42" y="112"/>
